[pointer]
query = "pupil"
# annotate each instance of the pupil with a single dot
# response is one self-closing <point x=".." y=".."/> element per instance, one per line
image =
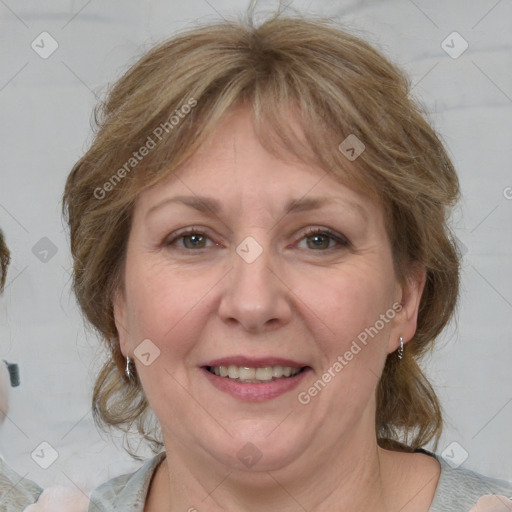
<point x="195" y="239"/>
<point x="318" y="240"/>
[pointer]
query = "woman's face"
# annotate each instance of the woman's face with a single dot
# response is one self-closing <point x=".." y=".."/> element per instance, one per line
<point x="225" y="274"/>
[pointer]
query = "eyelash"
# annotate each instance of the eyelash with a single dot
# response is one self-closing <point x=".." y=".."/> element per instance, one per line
<point x="339" y="239"/>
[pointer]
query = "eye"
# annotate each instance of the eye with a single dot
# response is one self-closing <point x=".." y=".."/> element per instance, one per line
<point x="316" y="238"/>
<point x="191" y="238"/>
<point x="321" y="238"/>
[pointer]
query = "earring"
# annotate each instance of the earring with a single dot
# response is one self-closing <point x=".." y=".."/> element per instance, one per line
<point x="401" y="349"/>
<point x="128" y="370"/>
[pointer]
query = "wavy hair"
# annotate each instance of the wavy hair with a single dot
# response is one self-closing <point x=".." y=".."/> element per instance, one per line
<point x="337" y="85"/>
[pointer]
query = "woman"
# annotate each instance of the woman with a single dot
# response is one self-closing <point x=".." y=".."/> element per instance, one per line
<point x="259" y="235"/>
<point x="16" y="492"/>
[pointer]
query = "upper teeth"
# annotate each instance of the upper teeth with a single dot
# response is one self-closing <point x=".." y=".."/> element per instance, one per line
<point x="245" y="373"/>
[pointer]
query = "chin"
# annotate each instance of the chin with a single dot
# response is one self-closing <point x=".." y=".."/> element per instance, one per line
<point x="260" y="448"/>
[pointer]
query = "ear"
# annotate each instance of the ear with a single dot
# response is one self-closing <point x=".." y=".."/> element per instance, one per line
<point x="406" y="319"/>
<point x="120" y="318"/>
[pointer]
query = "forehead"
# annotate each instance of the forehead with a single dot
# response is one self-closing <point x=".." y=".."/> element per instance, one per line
<point x="232" y="165"/>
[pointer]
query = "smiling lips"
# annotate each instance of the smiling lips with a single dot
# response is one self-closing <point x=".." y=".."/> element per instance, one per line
<point x="252" y="374"/>
<point x="255" y="380"/>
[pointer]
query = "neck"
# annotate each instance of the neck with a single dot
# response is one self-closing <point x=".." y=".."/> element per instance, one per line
<point x="356" y="476"/>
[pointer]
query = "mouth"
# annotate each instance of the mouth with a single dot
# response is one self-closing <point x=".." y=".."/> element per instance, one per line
<point x="255" y="380"/>
<point x="254" y="375"/>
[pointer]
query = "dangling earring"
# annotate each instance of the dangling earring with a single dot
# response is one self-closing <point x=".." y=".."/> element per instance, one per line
<point x="401" y="349"/>
<point x="128" y="370"/>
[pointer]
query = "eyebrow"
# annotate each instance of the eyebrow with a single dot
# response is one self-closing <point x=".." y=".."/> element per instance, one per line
<point x="213" y="207"/>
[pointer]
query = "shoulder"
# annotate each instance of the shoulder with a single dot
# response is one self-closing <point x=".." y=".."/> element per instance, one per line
<point x="125" y="492"/>
<point x="461" y="489"/>
<point x="16" y="492"/>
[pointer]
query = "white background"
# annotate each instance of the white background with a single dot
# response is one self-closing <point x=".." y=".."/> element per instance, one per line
<point x="46" y="106"/>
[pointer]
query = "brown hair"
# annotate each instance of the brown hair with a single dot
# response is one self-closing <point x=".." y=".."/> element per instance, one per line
<point x="4" y="260"/>
<point x="337" y="85"/>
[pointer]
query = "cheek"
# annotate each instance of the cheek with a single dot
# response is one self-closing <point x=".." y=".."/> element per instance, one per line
<point x="347" y="301"/>
<point x="161" y="307"/>
<point x="167" y="306"/>
<point x="157" y="301"/>
<point x="352" y="343"/>
<point x="357" y="350"/>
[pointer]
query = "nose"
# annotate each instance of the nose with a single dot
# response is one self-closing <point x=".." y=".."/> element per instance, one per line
<point x="255" y="295"/>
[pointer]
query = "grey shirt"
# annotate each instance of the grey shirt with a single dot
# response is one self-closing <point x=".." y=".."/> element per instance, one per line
<point x="458" y="490"/>
<point x="16" y="492"/>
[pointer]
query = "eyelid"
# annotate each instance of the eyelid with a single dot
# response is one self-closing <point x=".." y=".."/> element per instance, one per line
<point x="192" y="230"/>
<point x="341" y="240"/>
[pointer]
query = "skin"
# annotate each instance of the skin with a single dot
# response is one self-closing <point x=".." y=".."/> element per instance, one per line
<point x="295" y="301"/>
